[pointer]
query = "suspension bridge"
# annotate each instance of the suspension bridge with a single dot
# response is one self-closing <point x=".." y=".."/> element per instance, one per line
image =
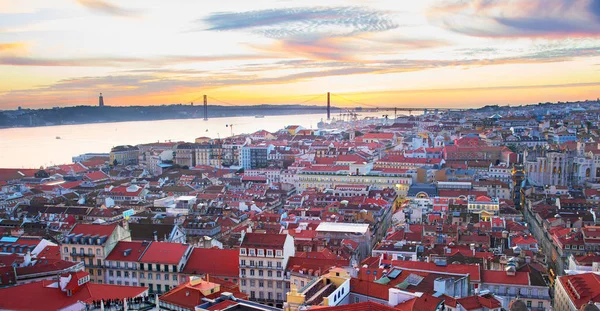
<point x="350" y="105"/>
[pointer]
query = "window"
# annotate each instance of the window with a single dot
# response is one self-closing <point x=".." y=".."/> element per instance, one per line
<point x="149" y="276"/>
<point x="142" y="276"/>
<point x="243" y="271"/>
<point x="133" y="274"/>
<point x="166" y="277"/>
<point x="126" y="274"/>
<point x="279" y="253"/>
<point x="66" y="250"/>
<point x="174" y="268"/>
<point x="540" y="305"/>
<point x="261" y="252"/>
<point x="252" y="263"/>
<point x="90" y="251"/>
<point x="118" y="264"/>
<point x="528" y="303"/>
<point x="242" y="262"/>
<point x="279" y="264"/>
<point x="110" y="273"/>
<point x="119" y="274"/>
<point x="279" y="285"/>
<point x="91" y="271"/>
<point x="261" y="284"/>
<point x="100" y="273"/>
<point x="252" y="283"/>
<point x="279" y="296"/>
<point x="269" y="264"/>
<point x="81" y="251"/>
<point x="270" y="284"/>
<point x="278" y="274"/>
<point x="260" y="273"/>
<point x="252" y="294"/>
<point x="252" y="272"/>
<point x="270" y="273"/>
<point x="251" y="252"/>
<point x="158" y="288"/>
<point x="243" y="282"/>
<point x="158" y="277"/>
<point x="99" y="262"/>
<point x="242" y="251"/>
<point x="98" y="252"/>
<point x="73" y="250"/>
<point x="260" y="263"/>
<point x="356" y="300"/>
<point x="270" y="253"/>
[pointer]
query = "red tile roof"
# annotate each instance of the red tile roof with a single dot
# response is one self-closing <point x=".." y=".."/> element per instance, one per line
<point x="361" y="306"/>
<point x="582" y="288"/>
<point x="164" y="253"/>
<point x="213" y="261"/>
<point x="474" y="271"/>
<point x="426" y="302"/>
<point x="52" y="298"/>
<point x="96" y="176"/>
<point x="189" y="295"/>
<point x="473" y="302"/>
<point x="501" y="277"/>
<point x="262" y="240"/>
<point x="135" y="251"/>
<point x="369" y="288"/>
<point x="92" y="229"/>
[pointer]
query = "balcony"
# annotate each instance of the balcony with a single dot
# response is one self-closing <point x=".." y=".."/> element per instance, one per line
<point x="81" y="254"/>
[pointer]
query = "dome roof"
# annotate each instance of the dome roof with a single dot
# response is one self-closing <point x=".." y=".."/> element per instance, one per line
<point x="483" y="198"/>
<point x="517" y="305"/>
<point x="589" y="307"/>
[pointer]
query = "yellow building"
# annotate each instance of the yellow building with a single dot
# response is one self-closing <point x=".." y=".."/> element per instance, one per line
<point x="90" y="244"/>
<point x="329" y="290"/>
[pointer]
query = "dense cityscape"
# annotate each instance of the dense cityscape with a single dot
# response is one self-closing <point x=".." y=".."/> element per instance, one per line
<point x="285" y="155"/>
<point x="492" y="210"/>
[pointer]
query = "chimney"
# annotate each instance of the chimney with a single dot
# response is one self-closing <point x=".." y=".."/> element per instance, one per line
<point x="155" y="236"/>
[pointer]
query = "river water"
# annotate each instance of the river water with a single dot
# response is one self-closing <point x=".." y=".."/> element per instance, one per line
<point x="33" y="147"/>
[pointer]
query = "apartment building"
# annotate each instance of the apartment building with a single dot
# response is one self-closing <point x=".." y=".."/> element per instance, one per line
<point x="90" y="244"/>
<point x="575" y="292"/>
<point x="122" y="263"/>
<point x="124" y="155"/>
<point x="263" y="258"/>
<point x="162" y="264"/>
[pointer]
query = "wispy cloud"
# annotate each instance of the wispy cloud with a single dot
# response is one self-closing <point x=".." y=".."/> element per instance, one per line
<point x="519" y="18"/>
<point x="120" y="61"/>
<point x="320" y="32"/>
<point x="299" y="22"/>
<point x="146" y="83"/>
<point x="106" y="7"/>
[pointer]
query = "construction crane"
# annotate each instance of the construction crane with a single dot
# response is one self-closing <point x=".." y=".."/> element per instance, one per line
<point x="230" y="126"/>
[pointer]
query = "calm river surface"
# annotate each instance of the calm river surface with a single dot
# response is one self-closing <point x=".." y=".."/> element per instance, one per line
<point x="37" y="146"/>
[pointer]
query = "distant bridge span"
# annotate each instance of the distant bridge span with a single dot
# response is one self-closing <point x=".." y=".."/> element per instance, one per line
<point x="356" y="106"/>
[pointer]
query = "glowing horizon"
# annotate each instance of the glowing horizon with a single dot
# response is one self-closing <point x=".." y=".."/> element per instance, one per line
<point x="435" y="53"/>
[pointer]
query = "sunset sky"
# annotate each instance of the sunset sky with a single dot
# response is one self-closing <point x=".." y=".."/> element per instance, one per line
<point x="450" y="53"/>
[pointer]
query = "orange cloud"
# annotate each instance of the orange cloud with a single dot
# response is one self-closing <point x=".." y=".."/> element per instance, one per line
<point x="12" y="46"/>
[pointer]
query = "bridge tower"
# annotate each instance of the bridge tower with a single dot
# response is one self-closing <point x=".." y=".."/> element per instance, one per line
<point x="205" y="108"/>
<point x="328" y="107"/>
